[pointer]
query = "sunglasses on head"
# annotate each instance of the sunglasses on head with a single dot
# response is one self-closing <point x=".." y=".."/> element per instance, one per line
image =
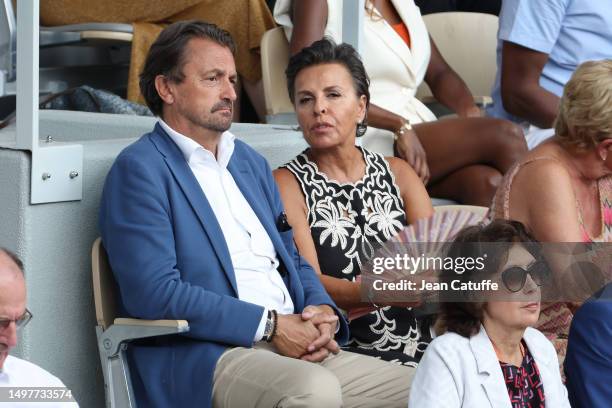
<point x="20" y="322"/>
<point x="514" y="278"/>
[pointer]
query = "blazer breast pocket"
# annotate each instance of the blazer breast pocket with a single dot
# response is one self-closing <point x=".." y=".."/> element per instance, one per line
<point x="287" y="238"/>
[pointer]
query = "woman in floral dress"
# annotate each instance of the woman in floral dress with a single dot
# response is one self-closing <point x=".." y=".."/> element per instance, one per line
<point x="342" y="201"/>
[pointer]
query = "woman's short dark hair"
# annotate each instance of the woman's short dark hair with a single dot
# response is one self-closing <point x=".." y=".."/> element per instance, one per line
<point x="326" y="51"/>
<point x="465" y="317"/>
<point x="167" y="56"/>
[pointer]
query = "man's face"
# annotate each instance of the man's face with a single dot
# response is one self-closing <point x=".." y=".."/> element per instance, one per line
<point x="12" y="303"/>
<point x="205" y="98"/>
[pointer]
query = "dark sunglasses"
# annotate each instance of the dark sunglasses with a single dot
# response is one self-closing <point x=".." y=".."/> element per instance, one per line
<point x="20" y="322"/>
<point x="514" y="278"/>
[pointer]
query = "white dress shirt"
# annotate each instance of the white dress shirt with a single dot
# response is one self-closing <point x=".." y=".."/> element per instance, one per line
<point x="252" y="252"/>
<point x="21" y="374"/>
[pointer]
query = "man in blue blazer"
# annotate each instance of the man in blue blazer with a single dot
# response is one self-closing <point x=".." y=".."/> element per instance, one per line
<point x="588" y="364"/>
<point x="194" y="228"/>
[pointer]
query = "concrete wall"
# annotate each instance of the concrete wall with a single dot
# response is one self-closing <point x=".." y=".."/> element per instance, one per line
<point x="54" y="240"/>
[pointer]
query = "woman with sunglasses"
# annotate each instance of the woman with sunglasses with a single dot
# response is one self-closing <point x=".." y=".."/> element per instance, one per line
<point x="490" y="356"/>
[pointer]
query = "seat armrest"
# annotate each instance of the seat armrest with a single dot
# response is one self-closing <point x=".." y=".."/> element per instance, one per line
<point x="181" y="325"/>
<point x="125" y="330"/>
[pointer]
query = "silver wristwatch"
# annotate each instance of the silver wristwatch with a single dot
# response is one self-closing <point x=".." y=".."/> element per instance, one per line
<point x="269" y="328"/>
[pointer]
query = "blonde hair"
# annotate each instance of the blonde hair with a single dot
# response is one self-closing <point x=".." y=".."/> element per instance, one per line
<point x="585" y="110"/>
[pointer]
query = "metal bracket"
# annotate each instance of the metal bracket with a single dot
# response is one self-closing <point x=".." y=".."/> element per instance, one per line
<point x="57" y="174"/>
<point x="57" y="169"/>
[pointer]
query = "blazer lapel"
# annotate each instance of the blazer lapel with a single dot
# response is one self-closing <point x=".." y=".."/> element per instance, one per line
<point x="419" y="37"/>
<point x="197" y="199"/>
<point x="390" y="39"/>
<point x="539" y="354"/>
<point x="242" y="176"/>
<point x="489" y="370"/>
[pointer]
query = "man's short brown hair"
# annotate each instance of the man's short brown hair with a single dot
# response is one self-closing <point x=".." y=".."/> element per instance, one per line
<point x="167" y="56"/>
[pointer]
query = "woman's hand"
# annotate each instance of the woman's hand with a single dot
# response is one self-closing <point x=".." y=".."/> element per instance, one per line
<point x="409" y="148"/>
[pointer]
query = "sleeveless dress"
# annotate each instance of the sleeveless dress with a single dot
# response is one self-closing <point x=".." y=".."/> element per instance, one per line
<point x="347" y="222"/>
<point x="555" y="318"/>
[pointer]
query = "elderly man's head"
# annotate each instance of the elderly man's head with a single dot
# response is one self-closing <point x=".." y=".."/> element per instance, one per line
<point x="12" y="301"/>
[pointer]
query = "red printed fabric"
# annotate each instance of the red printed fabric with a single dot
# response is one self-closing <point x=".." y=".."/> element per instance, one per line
<point x="523" y="383"/>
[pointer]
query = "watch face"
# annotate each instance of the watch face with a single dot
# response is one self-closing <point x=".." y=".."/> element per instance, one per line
<point x="268" y="328"/>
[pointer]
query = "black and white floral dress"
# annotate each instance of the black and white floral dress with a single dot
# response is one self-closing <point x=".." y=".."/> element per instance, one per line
<point x="347" y="222"/>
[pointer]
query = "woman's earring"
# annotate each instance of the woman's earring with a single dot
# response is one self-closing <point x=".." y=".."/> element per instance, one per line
<point x="361" y="129"/>
<point x="362" y="126"/>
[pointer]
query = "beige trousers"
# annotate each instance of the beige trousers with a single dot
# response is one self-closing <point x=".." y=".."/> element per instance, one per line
<point x="259" y="377"/>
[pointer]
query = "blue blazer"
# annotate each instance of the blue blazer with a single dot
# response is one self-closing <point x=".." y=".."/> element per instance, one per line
<point x="588" y="363"/>
<point x="171" y="261"/>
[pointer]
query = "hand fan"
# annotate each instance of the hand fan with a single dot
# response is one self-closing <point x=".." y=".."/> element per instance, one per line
<point x="427" y="236"/>
<point x="441" y="227"/>
<point x="423" y="238"/>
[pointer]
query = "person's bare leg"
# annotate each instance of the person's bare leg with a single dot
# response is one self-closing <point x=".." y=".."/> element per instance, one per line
<point x="255" y="92"/>
<point x="452" y="144"/>
<point x="473" y="185"/>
